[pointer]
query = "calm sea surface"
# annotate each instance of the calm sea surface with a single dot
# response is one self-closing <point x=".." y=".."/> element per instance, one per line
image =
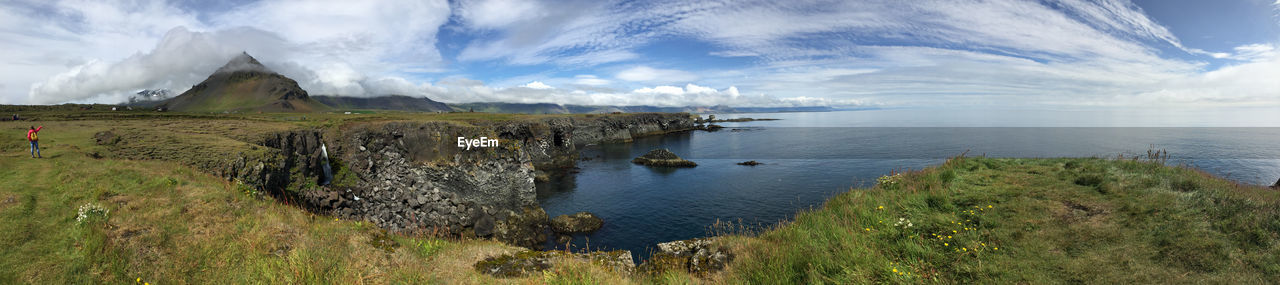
<point x="809" y="157"/>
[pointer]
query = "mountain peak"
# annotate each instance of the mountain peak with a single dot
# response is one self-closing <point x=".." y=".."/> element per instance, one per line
<point x="242" y="62"/>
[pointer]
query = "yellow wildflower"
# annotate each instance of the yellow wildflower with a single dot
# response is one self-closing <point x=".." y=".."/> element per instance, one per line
<point x="988" y="206"/>
<point x="868" y="229"/>
<point x="881" y="207"/>
<point x="996" y="248"/>
<point x="139" y="280"/>
<point x="946" y="244"/>
<point x="948" y="236"/>
<point x="964" y="248"/>
<point x="895" y="270"/>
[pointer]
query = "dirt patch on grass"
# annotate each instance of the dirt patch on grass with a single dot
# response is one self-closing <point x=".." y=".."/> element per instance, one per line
<point x="1076" y="212"/>
<point x="7" y="200"/>
<point x="138" y="241"/>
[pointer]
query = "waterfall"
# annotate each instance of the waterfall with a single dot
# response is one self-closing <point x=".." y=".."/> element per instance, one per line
<point x="328" y="171"/>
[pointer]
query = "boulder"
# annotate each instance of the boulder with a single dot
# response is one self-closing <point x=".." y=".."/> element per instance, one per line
<point x="662" y="157"/>
<point x="712" y="127"/>
<point x="1277" y="185"/>
<point x="580" y="222"/>
<point x="750" y="163"/>
<point x="485" y="225"/>
<point x="696" y="256"/>
<point x="523" y="229"/>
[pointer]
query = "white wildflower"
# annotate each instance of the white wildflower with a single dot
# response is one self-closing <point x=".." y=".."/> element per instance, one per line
<point x="90" y="210"/>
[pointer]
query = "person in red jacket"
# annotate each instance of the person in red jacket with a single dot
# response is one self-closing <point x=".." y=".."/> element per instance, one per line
<point x="35" y="141"/>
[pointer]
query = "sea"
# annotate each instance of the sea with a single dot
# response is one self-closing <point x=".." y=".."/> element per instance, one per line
<point x="811" y="156"/>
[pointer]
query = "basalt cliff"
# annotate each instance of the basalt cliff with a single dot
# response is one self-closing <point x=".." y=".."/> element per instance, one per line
<point x="411" y="176"/>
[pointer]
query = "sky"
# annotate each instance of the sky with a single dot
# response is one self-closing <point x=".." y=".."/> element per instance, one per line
<point x="995" y="54"/>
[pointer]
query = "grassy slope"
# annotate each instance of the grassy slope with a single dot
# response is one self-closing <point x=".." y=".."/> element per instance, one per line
<point x="169" y="223"/>
<point x="1002" y="221"/>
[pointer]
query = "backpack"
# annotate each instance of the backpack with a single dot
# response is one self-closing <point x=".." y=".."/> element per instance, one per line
<point x="33" y="137"/>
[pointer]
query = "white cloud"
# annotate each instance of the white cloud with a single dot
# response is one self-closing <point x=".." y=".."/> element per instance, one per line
<point x="489" y="14"/>
<point x="1248" y="84"/>
<point x="649" y="74"/>
<point x="180" y="60"/>
<point x="372" y="36"/>
<point x="536" y="85"/>
<point x="590" y="80"/>
<point x="101" y="51"/>
<point x="1253" y="52"/>
<point x="459" y="90"/>
<point x="577" y="33"/>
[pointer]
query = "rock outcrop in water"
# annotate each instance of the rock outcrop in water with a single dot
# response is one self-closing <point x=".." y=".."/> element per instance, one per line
<point x="662" y="157"/>
<point x="580" y="222"/>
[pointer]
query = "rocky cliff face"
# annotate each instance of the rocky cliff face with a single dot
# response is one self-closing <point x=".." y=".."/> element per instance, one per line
<point x="604" y="129"/>
<point x="412" y="176"/>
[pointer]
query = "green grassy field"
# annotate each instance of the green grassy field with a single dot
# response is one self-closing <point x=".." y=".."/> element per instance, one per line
<point x="970" y="220"/>
<point x="168" y="223"/>
<point x="1037" y="221"/>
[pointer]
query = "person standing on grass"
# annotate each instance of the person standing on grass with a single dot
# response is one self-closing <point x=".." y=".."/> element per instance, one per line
<point x="35" y="141"/>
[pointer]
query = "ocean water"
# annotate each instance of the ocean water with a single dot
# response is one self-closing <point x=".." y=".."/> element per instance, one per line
<point x="809" y="157"/>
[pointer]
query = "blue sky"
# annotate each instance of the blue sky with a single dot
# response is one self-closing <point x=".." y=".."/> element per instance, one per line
<point x="935" y="54"/>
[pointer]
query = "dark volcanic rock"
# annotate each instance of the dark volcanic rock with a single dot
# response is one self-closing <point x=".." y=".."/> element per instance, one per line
<point x="527" y="229"/>
<point x="485" y="225"/>
<point x="662" y="157"/>
<point x="1277" y="185"/>
<point x="713" y="127"/>
<point x="697" y="256"/>
<point x="750" y="163"/>
<point x="580" y="222"/>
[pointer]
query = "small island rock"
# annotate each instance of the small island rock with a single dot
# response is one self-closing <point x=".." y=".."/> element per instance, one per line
<point x="750" y="163"/>
<point x="662" y="157"/>
<point x="580" y="222"/>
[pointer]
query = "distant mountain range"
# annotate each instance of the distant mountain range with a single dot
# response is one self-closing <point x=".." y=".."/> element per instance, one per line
<point x="389" y="102"/>
<point x="245" y="85"/>
<point x="150" y="95"/>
